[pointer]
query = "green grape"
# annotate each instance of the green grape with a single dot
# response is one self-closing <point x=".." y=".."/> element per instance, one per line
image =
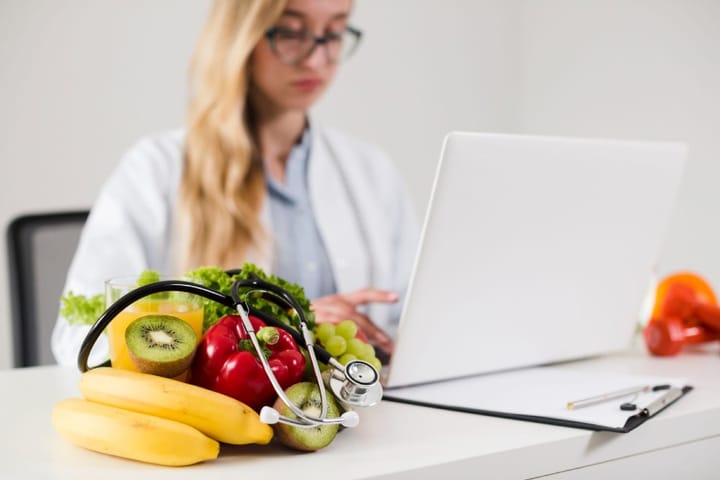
<point x="356" y="347"/>
<point x="335" y="345"/>
<point x="346" y="329"/>
<point x="375" y="363"/>
<point x="324" y="331"/>
<point x="367" y="353"/>
<point x="348" y="357"/>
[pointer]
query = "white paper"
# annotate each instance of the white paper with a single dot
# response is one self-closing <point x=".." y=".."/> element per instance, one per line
<point x="543" y="392"/>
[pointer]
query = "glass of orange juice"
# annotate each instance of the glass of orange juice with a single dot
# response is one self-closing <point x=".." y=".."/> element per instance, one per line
<point x="182" y="305"/>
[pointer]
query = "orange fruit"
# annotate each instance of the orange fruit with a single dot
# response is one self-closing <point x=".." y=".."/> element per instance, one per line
<point x="700" y="287"/>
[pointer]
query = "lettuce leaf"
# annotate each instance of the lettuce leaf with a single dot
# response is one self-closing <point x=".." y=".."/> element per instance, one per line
<point x="81" y="309"/>
<point x="84" y="310"/>
<point x="250" y="270"/>
<point x="148" y="276"/>
<point x="217" y="279"/>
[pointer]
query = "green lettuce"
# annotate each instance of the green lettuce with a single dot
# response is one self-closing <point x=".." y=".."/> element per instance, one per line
<point x="81" y="309"/>
<point x="216" y="279"/>
<point x="148" y="276"/>
<point x="219" y="280"/>
<point x="85" y="310"/>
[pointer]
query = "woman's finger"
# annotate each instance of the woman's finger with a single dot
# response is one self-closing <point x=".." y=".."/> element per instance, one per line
<point x="327" y="316"/>
<point x="333" y="307"/>
<point x="371" y="295"/>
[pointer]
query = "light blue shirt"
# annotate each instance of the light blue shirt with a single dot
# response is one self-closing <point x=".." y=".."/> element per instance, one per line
<point x="299" y="252"/>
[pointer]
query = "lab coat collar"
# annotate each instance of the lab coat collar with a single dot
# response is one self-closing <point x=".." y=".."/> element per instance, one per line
<point x="335" y="208"/>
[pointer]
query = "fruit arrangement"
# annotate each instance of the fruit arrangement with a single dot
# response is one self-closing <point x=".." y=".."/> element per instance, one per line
<point x="189" y="394"/>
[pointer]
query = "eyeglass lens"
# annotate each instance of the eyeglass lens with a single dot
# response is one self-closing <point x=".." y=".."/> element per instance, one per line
<point x="293" y="46"/>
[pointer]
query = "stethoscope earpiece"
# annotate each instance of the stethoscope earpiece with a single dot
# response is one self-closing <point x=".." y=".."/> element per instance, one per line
<point x="350" y="419"/>
<point x="271" y="416"/>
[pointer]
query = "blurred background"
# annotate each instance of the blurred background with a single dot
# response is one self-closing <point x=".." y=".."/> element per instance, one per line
<point x="82" y="80"/>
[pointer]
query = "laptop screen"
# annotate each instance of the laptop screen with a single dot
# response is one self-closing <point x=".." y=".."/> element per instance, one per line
<point x="533" y="250"/>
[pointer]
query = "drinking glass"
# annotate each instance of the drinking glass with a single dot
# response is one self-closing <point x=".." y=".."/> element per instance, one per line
<point x="184" y="306"/>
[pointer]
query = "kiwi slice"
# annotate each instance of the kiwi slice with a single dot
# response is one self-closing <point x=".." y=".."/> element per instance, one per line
<point x="306" y="395"/>
<point x="161" y="344"/>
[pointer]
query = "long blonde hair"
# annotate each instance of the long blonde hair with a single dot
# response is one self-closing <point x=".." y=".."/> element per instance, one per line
<point x="222" y="186"/>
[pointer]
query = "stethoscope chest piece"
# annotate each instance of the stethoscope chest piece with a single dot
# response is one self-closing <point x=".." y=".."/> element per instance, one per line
<point x="359" y="386"/>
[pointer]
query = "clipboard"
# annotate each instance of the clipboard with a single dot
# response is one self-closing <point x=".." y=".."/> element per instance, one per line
<point x="542" y="395"/>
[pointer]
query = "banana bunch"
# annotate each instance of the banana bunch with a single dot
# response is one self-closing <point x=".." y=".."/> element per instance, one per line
<point x="132" y="435"/>
<point x="154" y="419"/>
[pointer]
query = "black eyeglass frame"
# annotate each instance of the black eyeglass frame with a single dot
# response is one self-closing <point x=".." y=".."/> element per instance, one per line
<point x="321" y="40"/>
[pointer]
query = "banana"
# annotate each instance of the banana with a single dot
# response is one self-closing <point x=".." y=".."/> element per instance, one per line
<point x="216" y="415"/>
<point x="132" y="435"/>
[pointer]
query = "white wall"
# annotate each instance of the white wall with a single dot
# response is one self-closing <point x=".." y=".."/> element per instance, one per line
<point x="80" y="80"/>
<point x="647" y="69"/>
<point x="425" y="68"/>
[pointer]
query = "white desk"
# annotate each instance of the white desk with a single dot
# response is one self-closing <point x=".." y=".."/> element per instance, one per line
<point x="401" y="441"/>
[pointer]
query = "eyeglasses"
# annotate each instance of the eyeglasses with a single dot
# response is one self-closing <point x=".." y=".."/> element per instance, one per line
<point x="294" y="46"/>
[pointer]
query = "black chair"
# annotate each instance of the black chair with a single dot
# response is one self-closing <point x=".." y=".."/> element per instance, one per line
<point x="40" y="249"/>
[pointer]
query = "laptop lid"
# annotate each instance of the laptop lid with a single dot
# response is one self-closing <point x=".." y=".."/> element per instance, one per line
<point x="533" y="250"/>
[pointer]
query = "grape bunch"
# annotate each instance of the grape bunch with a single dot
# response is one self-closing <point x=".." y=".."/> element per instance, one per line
<point x="341" y="341"/>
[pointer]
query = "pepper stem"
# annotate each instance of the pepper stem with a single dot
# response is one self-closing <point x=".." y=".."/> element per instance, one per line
<point x="268" y="335"/>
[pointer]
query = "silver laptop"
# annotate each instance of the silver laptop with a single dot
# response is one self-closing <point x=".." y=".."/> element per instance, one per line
<point x="534" y="250"/>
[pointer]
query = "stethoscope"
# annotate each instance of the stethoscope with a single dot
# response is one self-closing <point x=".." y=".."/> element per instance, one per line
<point x="356" y="384"/>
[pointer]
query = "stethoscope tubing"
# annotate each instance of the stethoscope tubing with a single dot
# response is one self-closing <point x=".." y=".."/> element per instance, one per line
<point x="281" y="296"/>
<point x="277" y="294"/>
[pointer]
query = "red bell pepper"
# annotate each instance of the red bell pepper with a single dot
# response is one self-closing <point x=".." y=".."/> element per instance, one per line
<point x="226" y="362"/>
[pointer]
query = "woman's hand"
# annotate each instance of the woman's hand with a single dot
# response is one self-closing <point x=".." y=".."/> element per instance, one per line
<point x="339" y="307"/>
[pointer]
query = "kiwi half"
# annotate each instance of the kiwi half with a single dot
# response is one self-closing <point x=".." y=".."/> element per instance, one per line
<point x="306" y="395"/>
<point x="161" y="344"/>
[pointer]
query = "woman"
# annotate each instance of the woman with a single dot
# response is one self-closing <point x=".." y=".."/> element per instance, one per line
<point x="254" y="178"/>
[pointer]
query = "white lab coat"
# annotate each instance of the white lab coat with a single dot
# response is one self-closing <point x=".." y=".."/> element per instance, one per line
<point x="361" y="206"/>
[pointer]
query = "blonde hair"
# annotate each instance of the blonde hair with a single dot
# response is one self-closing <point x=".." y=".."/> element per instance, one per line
<point x="222" y="186"/>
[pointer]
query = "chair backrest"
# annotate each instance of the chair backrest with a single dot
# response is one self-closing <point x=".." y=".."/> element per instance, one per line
<point x="40" y="249"/>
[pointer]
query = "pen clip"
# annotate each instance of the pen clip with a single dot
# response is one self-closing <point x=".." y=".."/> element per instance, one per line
<point x="606" y="397"/>
<point x="666" y="399"/>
